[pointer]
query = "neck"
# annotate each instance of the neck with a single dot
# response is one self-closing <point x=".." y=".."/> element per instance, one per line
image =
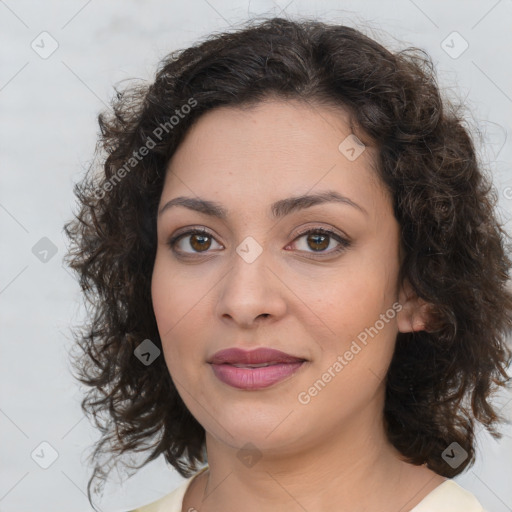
<point x="354" y="468"/>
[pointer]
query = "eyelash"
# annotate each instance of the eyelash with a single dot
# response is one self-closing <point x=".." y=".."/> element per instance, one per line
<point x="344" y="243"/>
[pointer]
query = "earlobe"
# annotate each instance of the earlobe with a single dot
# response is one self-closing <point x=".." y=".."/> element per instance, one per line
<point x="415" y="313"/>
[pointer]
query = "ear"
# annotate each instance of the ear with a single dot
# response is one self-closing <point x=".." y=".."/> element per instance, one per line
<point x="415" y="312"/>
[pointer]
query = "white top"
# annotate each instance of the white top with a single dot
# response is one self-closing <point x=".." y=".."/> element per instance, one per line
<point x="446" y="497"/>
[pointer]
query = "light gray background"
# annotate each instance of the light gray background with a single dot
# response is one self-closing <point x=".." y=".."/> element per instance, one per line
<point x="48" y="109"/>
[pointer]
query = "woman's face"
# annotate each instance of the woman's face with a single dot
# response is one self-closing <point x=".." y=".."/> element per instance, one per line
<point x="255" y="280"/>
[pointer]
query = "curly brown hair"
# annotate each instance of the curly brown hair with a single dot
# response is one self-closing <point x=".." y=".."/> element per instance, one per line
<point x="456" y="257"/>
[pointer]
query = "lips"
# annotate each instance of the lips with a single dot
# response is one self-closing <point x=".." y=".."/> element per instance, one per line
<point x="259" y="357"/>
<point x="254" y="370"/>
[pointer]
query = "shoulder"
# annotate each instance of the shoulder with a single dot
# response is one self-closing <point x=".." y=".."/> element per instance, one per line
<point x="171" y="502"/>
<point x="449" y="497"/>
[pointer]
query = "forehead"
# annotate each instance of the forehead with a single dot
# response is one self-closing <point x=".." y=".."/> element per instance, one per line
<point x="272" y="150"/>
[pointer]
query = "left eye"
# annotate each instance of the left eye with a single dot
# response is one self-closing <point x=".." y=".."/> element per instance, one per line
<point x="317" y="239"/>
<point x="320" y="239"/>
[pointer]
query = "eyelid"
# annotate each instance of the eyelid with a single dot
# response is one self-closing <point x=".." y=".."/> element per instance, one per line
<point x="328" y="230"/>
<point x="343" y="240"/>
<point x="189" y="231"/>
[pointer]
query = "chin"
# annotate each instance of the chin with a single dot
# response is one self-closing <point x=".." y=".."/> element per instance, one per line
<point x="271" y="432"/>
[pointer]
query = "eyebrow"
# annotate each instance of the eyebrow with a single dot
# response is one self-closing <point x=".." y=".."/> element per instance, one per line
<point x="278" y="209"/>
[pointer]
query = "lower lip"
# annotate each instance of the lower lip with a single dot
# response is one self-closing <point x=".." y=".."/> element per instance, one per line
<point x="254" y="378"/>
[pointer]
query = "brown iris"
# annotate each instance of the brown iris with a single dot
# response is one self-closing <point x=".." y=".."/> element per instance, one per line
<point x="314" y="238"/>
<point x="201" y="244"/>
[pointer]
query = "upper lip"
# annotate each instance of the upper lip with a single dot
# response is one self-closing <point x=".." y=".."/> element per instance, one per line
<point x="257" y="356"/>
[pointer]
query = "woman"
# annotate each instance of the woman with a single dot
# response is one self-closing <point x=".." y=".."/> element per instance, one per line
<point x="296" y="276"/>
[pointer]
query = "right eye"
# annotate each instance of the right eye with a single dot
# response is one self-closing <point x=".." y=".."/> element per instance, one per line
<point x="197" y="239"/>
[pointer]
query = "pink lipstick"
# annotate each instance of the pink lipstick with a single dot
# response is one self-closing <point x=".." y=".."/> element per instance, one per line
<point x="255" y="369"/>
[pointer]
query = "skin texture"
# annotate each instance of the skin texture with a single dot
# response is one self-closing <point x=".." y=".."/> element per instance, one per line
<point x="287" y="300"/>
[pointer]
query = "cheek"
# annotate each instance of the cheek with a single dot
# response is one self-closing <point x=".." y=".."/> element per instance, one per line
<point x="356" y="360"/>
<point x="162" y="299"/>
<point x="179" y="314"/>
<point x="170" y="313"/>
<point x="172" y="296"/>
<point x="358" y="308"/>
<point x="357" y="298"/>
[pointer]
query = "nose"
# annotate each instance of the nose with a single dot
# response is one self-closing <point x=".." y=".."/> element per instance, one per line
<point x="251" y="293"/>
